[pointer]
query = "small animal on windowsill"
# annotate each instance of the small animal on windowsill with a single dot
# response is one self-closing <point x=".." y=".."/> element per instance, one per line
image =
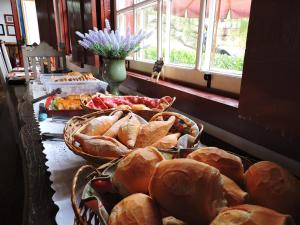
<point x="157" y="69"/>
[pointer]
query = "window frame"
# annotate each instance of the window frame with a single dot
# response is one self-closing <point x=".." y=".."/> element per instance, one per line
<point x="228" y="81"/>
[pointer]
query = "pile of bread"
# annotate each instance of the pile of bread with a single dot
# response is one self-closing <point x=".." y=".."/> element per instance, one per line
<point x="118" y="134"/>
<point x="207" y="187"/>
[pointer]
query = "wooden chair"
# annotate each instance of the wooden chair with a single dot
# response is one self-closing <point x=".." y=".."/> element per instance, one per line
<point x="5" y="56"/>
<point x="38" y="55"/>
<point x="3" y="68"/>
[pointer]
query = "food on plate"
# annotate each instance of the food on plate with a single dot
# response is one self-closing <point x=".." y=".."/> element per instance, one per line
<point x="114" y="129"/>
<point x="129" y="131"/>
<point x="272" y="186"/>
<point x="134" y="171"/>
<point x="229" y="165"/>
<point x="136" y="209"/>
<point x="103" y="102"/>
<point x="170" y="220"/>
<point x="100" y="125"/>
<point x="101" y="146"/>
<point x="153" y="131"/>
<point x="233" y="193"/>
<point x="74" y="76"/>
<point x="71" y="102"/>
<point x="189" y="190"/>
<point x="251" y="214"/>
<point x="167" y="142"/>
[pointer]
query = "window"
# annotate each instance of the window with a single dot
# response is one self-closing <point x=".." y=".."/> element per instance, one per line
<point x="193" y="36"/>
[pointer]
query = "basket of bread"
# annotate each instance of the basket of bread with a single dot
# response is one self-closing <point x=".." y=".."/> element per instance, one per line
<point x="103" y="136"/>
<point x="209" y="186"/>
<point x="144" y="106"/>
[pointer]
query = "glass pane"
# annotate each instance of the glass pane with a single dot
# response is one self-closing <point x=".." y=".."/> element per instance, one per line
<point x="180" y="31"/>
<point x="231" y="29"/>
<point x="125" y="20"/>
<point x="146" y="19"/>
<point x="121" y="4"/>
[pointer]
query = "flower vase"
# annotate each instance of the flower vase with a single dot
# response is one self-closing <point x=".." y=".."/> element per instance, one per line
<point x="114" y="73"/>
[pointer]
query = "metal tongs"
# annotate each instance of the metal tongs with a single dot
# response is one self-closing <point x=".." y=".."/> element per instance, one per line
<point x="54" y="92"/>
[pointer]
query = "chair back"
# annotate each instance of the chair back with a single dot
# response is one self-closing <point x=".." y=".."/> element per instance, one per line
<point x="5" y="56"/>
<point x="3" y="67"/>
<point x="38" y="55"/>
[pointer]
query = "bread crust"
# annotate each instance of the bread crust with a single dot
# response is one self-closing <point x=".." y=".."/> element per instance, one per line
<point x="136" y="209"/>
<point x="229" y="165"/>
<point x="189" y="190"/>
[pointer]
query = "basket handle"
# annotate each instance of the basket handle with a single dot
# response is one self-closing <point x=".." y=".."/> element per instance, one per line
<point x="73" y="191"/>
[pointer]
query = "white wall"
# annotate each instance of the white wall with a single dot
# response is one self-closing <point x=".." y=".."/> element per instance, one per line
<point x="5" y="8"/>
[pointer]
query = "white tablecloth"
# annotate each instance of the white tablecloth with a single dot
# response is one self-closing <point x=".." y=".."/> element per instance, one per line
<point x="62" y="163"/>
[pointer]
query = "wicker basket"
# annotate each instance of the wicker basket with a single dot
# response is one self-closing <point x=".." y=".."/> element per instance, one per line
<point x="146" y="114"/>
<point x="85" y="215"/>
<point x="186" y="126"/>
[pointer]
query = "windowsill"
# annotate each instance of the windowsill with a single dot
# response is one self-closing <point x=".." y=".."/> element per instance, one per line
<point x="191" y="91"/>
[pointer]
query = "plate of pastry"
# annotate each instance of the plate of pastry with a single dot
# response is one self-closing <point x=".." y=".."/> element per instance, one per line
<point x="104" y="136"/>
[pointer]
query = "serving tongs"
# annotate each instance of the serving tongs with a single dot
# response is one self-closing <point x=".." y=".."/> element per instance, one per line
<point x="54" y="92"/>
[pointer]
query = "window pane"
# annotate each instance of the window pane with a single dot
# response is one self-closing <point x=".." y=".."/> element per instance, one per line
<point x="146" y="19"/>
<point x="125" y="20"/>
<point x="180" y="31"/>
<point x="230" y="37"/>
<point x="121" y="4"/>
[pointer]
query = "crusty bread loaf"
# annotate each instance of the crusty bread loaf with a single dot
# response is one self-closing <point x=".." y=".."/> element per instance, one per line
<point x="229" y="165"/>
<point x="189" y="190"/>
<point x="233" y="193"/>
<point x="134" y="171"/>
<point x="251" y="215"/>
<point x="170" y="220"/>
<point x="136" y="209"/>
<point x="272" y="186"/>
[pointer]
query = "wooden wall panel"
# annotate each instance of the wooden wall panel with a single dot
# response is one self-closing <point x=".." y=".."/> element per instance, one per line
<point x="270" y="85"/>
<point x="46" y="21"/>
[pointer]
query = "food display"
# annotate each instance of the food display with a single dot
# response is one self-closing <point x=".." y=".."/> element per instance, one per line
<point x="73" y="76"/>
<point x="134" y="103"/>
<point x="115" y="134"/>
<point x="272" y="186"/>
<point x="64" y="106"/>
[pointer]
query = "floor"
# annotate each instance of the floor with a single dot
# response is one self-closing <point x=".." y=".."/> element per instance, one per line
<point x="11" y="175"/>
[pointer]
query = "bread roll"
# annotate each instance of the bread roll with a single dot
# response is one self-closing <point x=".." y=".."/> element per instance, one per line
<point x="172" y="221"/>
<point x="251" y="215"/>
<point x="134" y="171"/>
<point x="128" y="132"/>
<point x="136" y="209"/>
<point x="101" y="146"/>
<point x="100" y="125"/>
<point x="167" y="142"/>
<point x="114" y="129"/>
<point x="189" y="190"/>
<point x="233" y="193"/>
<point x="153" y="131"/>
<point x="273" y="187"/>
<point x="229" y="165"/>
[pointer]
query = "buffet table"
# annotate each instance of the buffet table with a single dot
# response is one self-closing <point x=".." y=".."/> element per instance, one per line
<point x="48" y="166"/>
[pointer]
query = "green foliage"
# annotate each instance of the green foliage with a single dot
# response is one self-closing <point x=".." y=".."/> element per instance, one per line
<point x="107" y="51"/>
<point x="220" y="61"/>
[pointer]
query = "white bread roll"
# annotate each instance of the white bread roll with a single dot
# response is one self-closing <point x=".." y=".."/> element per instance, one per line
<point x="233" y="193"/>
<point x="272" y="186"/>
<point x="189" y="190"/>
<point x="136" y="209"/>
<point x="134" y="171"/>
<point x="251" y="215"/>
<point x="229" y="165"/>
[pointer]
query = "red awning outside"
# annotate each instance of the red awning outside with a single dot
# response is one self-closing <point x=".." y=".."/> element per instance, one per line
<point x="190" y="8"/>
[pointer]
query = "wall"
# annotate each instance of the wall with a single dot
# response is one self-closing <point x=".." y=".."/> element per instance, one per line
<point x="5" y="8"/>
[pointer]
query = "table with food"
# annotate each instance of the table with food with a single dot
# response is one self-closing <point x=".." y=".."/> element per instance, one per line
<point x="132" y="159"/>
